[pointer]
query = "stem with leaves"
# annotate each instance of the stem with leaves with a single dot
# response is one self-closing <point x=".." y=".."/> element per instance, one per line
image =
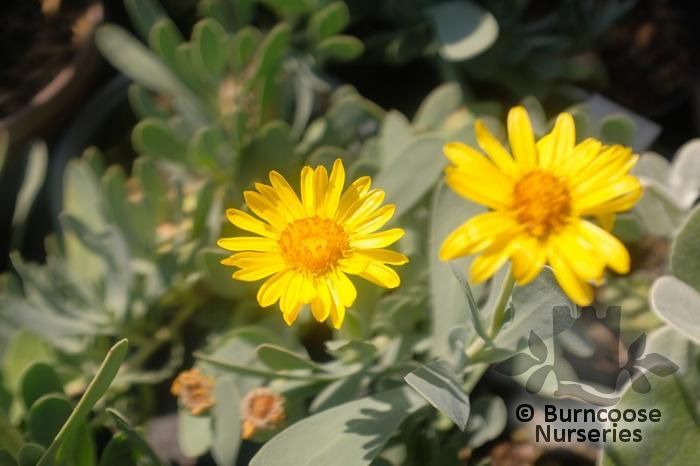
<point x="497" y="320"/>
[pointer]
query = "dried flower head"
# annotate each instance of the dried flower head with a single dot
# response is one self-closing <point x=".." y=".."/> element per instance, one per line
<point x="194" y="390"/>
<point x="261" y="409"/>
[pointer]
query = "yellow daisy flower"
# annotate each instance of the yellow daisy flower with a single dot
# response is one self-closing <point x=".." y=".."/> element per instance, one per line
<point x="541" y="199"/>
<point x="307" y="247"/>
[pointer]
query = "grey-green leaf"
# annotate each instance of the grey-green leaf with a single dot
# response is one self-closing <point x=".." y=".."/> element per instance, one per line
<point x="95" y="390"/>
<point x="449" y="306"/>
<point x="329" y="21"/>
<point x="617" y="129"/>
<point x="354" y="431"/>
<point x="195" y="434"/>
<point x="684" y="177"/>
<point x="441" y="388"/>
<point x="38" y="380"/>
<point x="165" y="38"/>
<point x="155" y="138"/>
<point x="438" y="105"/>
<point x="464" y="29"/>
<point x="210" y="48"/>
<point x="685" y="254"/>
<point x="30" y="454"/>
<point x="412" y="173"/>
<point x="677" y="304"/>
<point x="140" y="64"/>
<point x="278" y="358"/>
<point x="227" y="422"/>
<point x="46" y="417"/>
<point x="678" y="426"/>
<point x="341" y="48"/>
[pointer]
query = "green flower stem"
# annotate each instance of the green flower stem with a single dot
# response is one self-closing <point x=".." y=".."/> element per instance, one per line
<point x="499" y="315"/>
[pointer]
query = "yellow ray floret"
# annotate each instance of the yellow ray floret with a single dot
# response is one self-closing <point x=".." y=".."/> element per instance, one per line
<point x="542" y="199"/>
<point x="305" y="248"/>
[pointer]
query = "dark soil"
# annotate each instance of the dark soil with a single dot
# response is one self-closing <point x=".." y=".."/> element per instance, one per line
<point x="651" y="56"/>
<point x="37" y="40"/>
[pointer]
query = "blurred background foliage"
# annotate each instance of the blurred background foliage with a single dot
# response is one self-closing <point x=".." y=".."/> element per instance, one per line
<point x="214" y="94"/>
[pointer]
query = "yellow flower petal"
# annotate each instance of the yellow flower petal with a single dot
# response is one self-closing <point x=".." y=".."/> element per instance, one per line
<point x="321" y="305"/>
<point x="581" y="256"/>
<point x="249" y="259"/>
<point x="248" y="243"/>
<point x="522" y="139"/>
<point x="597" y="157"/>
<point x="247" y="222"/>
<point x="373" y="221"/>
<point x="290" y="316"/>
<point x="560" y="145"/>
<point x="381" y="275"/>
<point x="577" y="289"/>
<point x="271" y="195"/>
<point x="337" y="316"/>
<point x="272" y="289"/>
<point x="584" y="153"/>
<point x="345" y="288"/>
<point x="377" y="240"/>
<point x="364" y="207"/>
<point x="385" y="256"/>
<point x="479" y="189"/>
<point x="264" y="209"/>
<point x="308" y="194"/>
<point x="529" y="257"/>
<point x="488" y="263"/>
<point x="355" y="263"/>
<point x="292" y="296"/>
<point x="591" y="203"/>
<point x="320" y="188"/>
<point x="495" y="150"/>
<point x="335" y="188"/>
<point x="469" y="160"/>
<point x="620" y="204"/>
<point x="617" y="167"/>
<point x="612" y="249"/>
<point x="357" y="189"/>
<point x="286" y="194"/>
<point x="337" y="309"/>
<point x="477" y="233"/>
<point x="258" y="272"/>
<point x="606" y="221"/>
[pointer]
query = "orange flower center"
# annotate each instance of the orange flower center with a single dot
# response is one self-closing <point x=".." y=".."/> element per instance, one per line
<point x="261" y="406"/>
<point x="261" y="409"/>
<point x="542" y="202"/>
<point x="313" y="244"/>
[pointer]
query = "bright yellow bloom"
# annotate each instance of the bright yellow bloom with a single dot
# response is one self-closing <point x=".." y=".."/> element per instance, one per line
<point x="539" y="201"/>
<point x="307" y="247"/>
